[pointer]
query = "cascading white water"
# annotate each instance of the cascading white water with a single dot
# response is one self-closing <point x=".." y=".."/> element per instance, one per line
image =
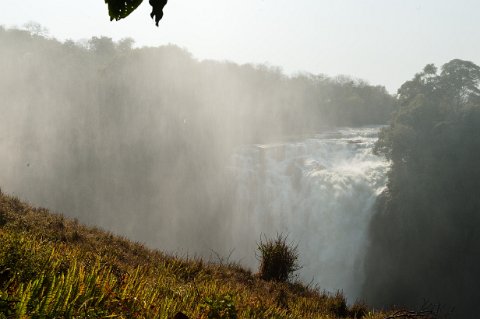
<point x="320" y="190"/>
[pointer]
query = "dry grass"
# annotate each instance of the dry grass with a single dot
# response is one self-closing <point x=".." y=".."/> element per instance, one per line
<point x="52" y="267"/>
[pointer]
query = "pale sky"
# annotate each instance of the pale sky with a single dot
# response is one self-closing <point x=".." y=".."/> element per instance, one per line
<point x="382" y="41"/>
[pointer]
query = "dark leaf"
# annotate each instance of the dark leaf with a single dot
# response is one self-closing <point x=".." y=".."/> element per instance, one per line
<point x="157" y="9"/>
<point x="119" y="9"/>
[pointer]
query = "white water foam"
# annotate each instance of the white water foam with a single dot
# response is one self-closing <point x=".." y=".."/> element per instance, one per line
<point x="320" y="190"/>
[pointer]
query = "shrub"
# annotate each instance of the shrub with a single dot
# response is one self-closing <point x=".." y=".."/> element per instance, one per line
<point x="358" y="310"/>
<point x="278" y="258"/>
<point x="219" y="307"/>
<point x="337" y="305"/>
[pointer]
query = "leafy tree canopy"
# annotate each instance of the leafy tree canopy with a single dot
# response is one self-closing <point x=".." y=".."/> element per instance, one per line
<point x="119" y="9"/>
<point x="424" y="235"/>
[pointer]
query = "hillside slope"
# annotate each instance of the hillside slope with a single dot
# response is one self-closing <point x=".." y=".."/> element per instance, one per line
<point x="51" y="266"/>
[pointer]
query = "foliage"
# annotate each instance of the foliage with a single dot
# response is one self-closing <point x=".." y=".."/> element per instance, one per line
<point x="119" y="9"/>
<point x="358" y="310"/>
<point x="338" y="305"/>
<point x="98" y="275"/>
<point x="425" y="232"/>
<point x="278" y="258"/>
<point x="219" y="307"/>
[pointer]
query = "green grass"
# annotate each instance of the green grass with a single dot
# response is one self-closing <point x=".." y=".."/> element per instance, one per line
<point x="54" y="267"/>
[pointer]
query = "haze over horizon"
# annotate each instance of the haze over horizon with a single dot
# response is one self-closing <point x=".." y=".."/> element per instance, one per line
<point x="383" y="42"/>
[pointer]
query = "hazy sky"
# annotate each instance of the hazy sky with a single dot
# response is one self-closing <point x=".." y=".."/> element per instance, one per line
<point x="382" y="41"/>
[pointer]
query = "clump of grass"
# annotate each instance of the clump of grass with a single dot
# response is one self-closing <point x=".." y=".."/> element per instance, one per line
<point x="219" y="307"/>
<point x="337" y="305"/>
<point x="358" y="310"/>
<point x="278" y="258"/>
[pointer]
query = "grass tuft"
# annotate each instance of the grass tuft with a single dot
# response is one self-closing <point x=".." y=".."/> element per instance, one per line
<point x="278" y="258"/>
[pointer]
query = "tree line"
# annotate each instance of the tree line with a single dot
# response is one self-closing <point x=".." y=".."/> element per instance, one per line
<point x="138" y="140"/>
<point x="425" y="239"/>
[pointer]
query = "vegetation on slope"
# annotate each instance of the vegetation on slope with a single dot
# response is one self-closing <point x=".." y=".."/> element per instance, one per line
<point x="425" y="239"/>
<point x="51" y="266"/>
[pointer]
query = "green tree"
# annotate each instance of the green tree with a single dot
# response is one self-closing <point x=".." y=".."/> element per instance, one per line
<point x="425" y="232"/>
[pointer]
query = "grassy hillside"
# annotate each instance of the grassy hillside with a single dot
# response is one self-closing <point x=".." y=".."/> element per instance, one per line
<point x="52" y="267"/>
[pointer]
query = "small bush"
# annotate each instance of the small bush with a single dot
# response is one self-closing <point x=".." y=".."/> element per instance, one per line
<point x="278" y="258"/>
<point x="337" y="305"/>
<point x="219" y="307"/>
<point x="358" y="310"/>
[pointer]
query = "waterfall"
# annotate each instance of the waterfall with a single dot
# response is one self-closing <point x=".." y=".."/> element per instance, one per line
<point x="320" y="190"/>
